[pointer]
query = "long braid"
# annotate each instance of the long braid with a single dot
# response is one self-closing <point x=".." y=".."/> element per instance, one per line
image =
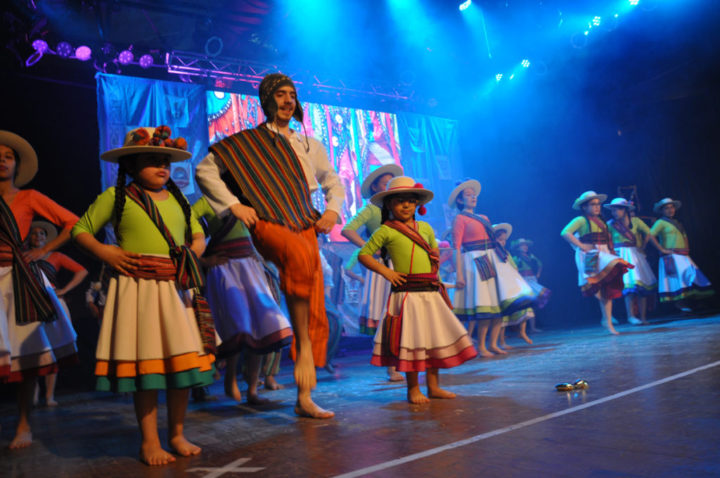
<point x="384" y="216"/>
<point x="184" y="204"/>
<point x="120" y="196"/>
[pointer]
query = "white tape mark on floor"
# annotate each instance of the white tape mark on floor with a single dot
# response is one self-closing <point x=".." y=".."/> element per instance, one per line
<point x="517" y="426"/>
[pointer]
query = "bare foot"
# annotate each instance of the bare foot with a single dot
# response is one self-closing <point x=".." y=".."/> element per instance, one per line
<point x="485" y="353"/>
<point x="23" y="439"/>
<point x="506" y="346"/>
<point x="232" y="390"/>
<point x="498" y="350"/>
<point x="525" y="337"/>
<point x="272" y="384"/>
<point x="154" y="455"/>
<point x="440" y="393"/>
<point x="305" y="371"/>
<point x="396" y="376"/>
<point x="255" y="399"/>
<point x="309" y="409"/>
<point x="51" y="402"/>
<point x="414" y="395"/>
<point x="612" y="330"/>
<point x="182" y="447"/>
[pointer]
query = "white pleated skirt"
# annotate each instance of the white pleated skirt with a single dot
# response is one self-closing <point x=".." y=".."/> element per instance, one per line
<point x="640" y="280"/>
<point x="687" y="281"/>
<point x="373" y="303"/>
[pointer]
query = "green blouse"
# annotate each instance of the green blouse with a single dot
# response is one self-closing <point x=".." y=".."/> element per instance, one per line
<point x="668" y="235"/>
<point x="639" y="229"/>
<point x="580" y="225"/>
<point x="369" y="216"/>
<point x="399" y="247"/>
<point x="202" y="208"/>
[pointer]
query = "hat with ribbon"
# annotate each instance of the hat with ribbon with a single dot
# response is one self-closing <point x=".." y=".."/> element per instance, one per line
<point x="620" y="202"/>
<point x="462" y="186"/>
<point x="27" y="161"/>
<point x="663" y="202"/>
<point x="150" y="140"/>
<point x="588" y="196"/>
<point x="404" y="185"/>
<point x="366" y="187"/>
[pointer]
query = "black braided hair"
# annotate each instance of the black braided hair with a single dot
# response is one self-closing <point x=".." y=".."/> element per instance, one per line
<point x="184" y="204"/>
<point x="123" y="166"/>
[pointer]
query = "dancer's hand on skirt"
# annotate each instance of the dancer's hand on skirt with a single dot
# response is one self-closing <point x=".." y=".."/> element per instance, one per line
<point x="119" y="259"/>
<point x="395" y="278"/>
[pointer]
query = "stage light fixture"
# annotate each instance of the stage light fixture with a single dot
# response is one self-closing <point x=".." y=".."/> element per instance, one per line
<point x="597" y="21"/>
<point x="525" y="63"/>
<point x="634" y="2"/>
<point x="41" y="47"/>
<point x="586" y="32"/>
<point x="464" y="5"/>
<point x="126" y="57"/>
<point x="498" y="77"/>
<point x="512" y="76"/>
<point x="64" y="49"/>
<point x="83" y="53"/>
<point x="146" y="61"/>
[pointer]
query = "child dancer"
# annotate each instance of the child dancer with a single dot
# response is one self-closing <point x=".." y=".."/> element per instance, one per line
<point x="35" y="334"/>
<point x="375" y="288"/>
<point x="41" y="232"/>
<point x="600" y="271"/>
<point x="680" y="278"/>
<point x="629" y="236"/>
<point x="487" y="286"/>
<point x="530" y="268"/>
<point x="150" y="338"/>
<point x="245" y="312"/>
<point x="419" y="332"/>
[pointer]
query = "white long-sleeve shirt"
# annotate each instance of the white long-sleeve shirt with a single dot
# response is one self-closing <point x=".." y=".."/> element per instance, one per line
<point x="318" y="173"/>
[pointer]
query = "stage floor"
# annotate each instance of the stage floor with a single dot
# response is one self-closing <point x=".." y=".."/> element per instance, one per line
<point x="652" y="410"/>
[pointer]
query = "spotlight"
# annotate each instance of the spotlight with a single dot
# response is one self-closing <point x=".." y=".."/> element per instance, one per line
<point x="525" y="63"/>
<point x="498" y="77"/>
<point x="41" y="47"/>
<point x="464" y="5"/>
<point x="596" y="21"/>
<point x="146" y="61"/>
<point x="634" y="2"/>
<point x="64" y="49"/>
<point x="512" y="76"/>
<point x="83" y="53"/>
<point x="586" y="33"/>
<point x="125" y="57"/>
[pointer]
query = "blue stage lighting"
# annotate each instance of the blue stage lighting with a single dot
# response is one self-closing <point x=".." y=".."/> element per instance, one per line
<point x="525" y="63"/>
<point x="586" y="33"/>
<point x="498" y="77"/>
<point x="596" y="21"/>
<point x="512" y="76"/>
<point x="464" y="5"/>
<point x="634" y="2"/>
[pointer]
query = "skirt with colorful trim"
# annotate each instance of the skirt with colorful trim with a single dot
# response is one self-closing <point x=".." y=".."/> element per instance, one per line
<point x="149" y="338"/>
<point x="33" y="349"/>
<point x="607" y="275"/>
<point x="518" y="317"/>
<point x="493" y="297"/>
<point x="681" y="279"/>
<point x="641" y="280"/>
<point x="431" y="336"/>
<point x="245" y="312"/>
<point x="542" y="293"/>
<point x="376" y="290"/>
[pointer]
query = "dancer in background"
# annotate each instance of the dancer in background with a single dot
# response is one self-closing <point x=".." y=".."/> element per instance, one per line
<point x="680" y="278"/>
<point x="375" y="288"/>
<point x="420" y="332"/>
<point x="487" y="286"/>
<point x="36" y="336"/>
<point x="530" y="268"/>
<point x="247" y="318"/>
<point x="600" y="270"/>
<point x="150" y="337"/>
<point x="42" y="232"/>
<point x="630" y="235"/>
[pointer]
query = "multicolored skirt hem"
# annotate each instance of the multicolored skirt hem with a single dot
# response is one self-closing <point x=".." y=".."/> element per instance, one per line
<point x="609" y="278"/>
<point x="373" y="302"/>
<point x="641" y="280"/>
<point x="264" y="345"/>
<point x="542" y="293"/>
<point x="185" y="379"/>
<point x="681" y="279"/>
<point x="8" y="376"/>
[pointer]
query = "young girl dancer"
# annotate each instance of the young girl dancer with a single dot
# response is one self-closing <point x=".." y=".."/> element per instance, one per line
<point x="487" y="286"/>
<point x="35" y="334"/>
<point x="629" y="236"/>
<point x="245" y="312"/>
<point x="150" y="338"/>
<point x="680" y="278"/>
<point x="375" y="288"/>
<point x="420" y="332"/>
<point x="530" y="268"/>
<point x="600" y="271"/>
<point x="42" y="232"/>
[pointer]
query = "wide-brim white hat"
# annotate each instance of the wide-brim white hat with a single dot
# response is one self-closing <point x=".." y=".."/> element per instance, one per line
<point x="588" y="196"/>
<point x="470" y="183"/>
<point x="27" y="164"/>
<point x="503" y="226"/>
<point x="620" y="202"/>
<point x="519" y="242"/>
<point x="365" y="187"/>
<point x="136" y="142"/>
<point x="49" y="228"/>
<point x="659" y="205"/>
<point x="403" y="185"/>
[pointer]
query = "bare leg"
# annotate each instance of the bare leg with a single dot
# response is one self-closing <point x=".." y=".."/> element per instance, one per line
<point x="483" y="326"/>
<point x="606" y="310"/>
<point x="23" y="434"/>
<point x="50" y="381"/>
<point x="471" y="327"/>
<point x="630" y="300"/>
<point x="151" y="452"/>
<point x="523" y="333"/>
<point x="433" y="385"/>
<point x="304" y="364"/>
<point x="495" y="326"/>
<point x="252" y="377"/>
<point x="642" y="304"/>
<point x="270" y="368"/>
<point x="231" y="386"/>
<point x="272" y="384"/>
<point x="394" y="375"/>
<point x="414" y="395"/>
<point x="177" y="401"/>
<point x="503" y="344"/>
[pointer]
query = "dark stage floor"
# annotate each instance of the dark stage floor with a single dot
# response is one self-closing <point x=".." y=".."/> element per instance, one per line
<point x="652" y="410"/>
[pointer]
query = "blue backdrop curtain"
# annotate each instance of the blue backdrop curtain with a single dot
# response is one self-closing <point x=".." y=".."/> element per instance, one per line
<point x="125" y="103"/>
<point x="431" y="155"/>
